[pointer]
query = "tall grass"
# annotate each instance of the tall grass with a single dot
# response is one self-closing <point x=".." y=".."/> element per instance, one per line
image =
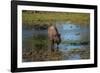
<point x="46" y="18"/>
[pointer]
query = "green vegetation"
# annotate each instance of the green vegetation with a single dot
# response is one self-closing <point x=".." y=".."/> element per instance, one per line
<point x="76" y="42"/>
<point x="35" y="49"/>
<point x="44" y="18"/>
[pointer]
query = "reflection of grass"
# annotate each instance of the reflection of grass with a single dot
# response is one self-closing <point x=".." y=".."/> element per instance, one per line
<point x="45" y="18"/>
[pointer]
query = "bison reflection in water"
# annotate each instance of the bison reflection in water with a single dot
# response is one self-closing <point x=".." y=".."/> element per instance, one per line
<point x="54" y="37"/>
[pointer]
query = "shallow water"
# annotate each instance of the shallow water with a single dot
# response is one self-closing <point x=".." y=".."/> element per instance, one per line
<point x="69" y="32"/>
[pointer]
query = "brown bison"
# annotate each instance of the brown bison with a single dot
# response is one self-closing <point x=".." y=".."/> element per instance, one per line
<point x="54" y="37"/>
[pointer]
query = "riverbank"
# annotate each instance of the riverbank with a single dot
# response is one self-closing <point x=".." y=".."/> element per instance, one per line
<point x="47" y="55"/>
<point x="43" y="18"/>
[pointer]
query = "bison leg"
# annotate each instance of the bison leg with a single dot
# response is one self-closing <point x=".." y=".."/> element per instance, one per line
<point x="52" y="45"/>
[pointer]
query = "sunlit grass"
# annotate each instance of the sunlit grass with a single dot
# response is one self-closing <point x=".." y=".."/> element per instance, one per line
<point x="46" y="18"/>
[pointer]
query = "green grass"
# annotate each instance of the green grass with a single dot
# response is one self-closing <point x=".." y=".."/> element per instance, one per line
<point x="46" y="18"/>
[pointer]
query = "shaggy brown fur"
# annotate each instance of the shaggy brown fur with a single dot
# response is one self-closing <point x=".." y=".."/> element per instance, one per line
<point x="53" y="36"/>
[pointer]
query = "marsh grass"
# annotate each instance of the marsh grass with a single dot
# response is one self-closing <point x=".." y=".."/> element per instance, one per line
<point x="44" y="18"/>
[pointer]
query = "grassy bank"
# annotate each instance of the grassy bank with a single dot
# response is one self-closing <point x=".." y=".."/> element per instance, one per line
<point x="46" y="18"/>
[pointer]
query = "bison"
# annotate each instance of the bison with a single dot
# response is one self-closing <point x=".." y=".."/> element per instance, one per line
<point x="54" y="37"/>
